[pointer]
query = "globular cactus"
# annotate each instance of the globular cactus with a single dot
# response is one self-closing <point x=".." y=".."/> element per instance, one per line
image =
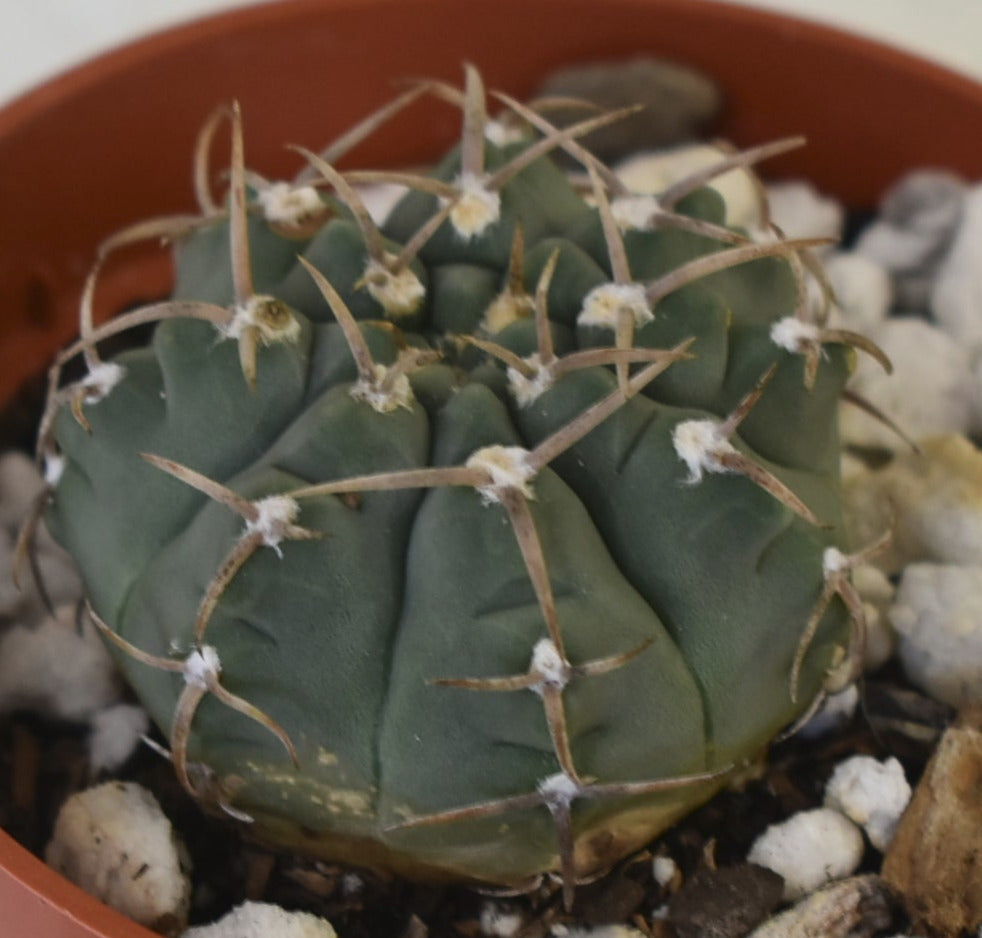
<point x="479" y="545"/>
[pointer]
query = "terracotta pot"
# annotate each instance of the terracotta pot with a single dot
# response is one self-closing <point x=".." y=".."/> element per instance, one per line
<point x="110" y="142"/>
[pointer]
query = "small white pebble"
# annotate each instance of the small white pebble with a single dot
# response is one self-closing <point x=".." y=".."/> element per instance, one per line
<point x="116" y="732"/>
<point x="115" y="843"/>
<point x="863" y="291"/>
<point x="605" y="931"/>
<point x="938" y="617"/>
<point x="653" y="172"/>
<point x="956" y="300"/>
<point x="498" y="921"/>
<point x="380" y="198"/>
<point x="929" y="392"/>
<point x="877" y="592"/>
<point x="931" y="501"/>
<point x="52" y="670"/>
<point x="801" y="211"/>
<point x="664" y="869"/>
<point x="262" y="920"/>
<point x="874" y="794"/>
<point x="836" y="711"/>
<point x="809" y="849"/>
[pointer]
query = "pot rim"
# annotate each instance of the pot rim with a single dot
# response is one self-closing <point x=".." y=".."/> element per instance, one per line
<point x="46" y="902"/>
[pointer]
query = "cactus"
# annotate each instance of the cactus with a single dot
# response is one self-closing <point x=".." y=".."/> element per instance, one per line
<point x="481" y="544"/>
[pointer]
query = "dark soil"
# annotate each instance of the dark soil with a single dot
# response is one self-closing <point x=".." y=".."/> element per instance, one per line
<point x="717" y="895"/>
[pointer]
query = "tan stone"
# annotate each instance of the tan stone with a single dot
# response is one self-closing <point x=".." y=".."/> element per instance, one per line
<point x="934" y="864"/>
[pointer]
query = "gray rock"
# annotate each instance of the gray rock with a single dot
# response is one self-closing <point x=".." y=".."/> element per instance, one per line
<point x="679" y="103"/>
<point x="918" y="220"/>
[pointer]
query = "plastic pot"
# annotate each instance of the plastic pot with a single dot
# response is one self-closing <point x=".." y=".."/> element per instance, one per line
<point x="110" y="142"/>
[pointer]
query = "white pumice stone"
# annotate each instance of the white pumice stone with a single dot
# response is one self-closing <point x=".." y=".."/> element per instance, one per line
<point x="498" y="921"/>
<point x="53" y="670"/>
<point x="263" y="920"/>
<point x="929" y="392"/>
<point x="115" y="735"/>
<point x="874" y="794"/>
<point x="877" y="592"/>
<point x="863" y="291"/>
<point x="604" y="931"/>
<point x="836" y="711"/>
<point x="665" y="870"/>
<point x="653" y="172"/>
<point x="931" y="501"/>
<point x="115" y="843"/>
<point x="809" y="849"/>
<point x="938" y="618"/>
<point x="956" y="300"/>
<point x="380" y="198"/>
<point x="801" y="211"/>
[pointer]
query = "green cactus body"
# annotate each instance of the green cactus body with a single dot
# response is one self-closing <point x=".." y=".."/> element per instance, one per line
<point x="483" y="674"/>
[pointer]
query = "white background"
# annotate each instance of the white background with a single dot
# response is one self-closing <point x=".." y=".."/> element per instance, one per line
<point x="39" y="38"/>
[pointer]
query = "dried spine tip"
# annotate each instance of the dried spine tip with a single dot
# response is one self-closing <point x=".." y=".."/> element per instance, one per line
<point x="477" y="207"/>
<point x="604" y="306"/>
<point x="700" y="444"/>
<point x="794" y="334"/>
<point x="398" y="291"/>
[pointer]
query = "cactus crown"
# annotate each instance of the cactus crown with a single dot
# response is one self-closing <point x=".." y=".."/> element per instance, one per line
<point x="509" y="519"/>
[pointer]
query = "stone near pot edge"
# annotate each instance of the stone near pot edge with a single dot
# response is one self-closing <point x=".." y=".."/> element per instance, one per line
<point x="956" y="296"/>
<point x="917" y="221"/>
<point x="801" y="211"/>
<point x="652" y="172"/>
<point x="679" y="102"/>
<point x="933" y="863"/>
<point x="862" y="288"/>
<point x="115" y="843"/>
<point x="56" y="669"/>
<point x="932" y="502"/>
<point x="937" y="614"/>
<point x="929" y="392"/>
<point x="263" y="920"/>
